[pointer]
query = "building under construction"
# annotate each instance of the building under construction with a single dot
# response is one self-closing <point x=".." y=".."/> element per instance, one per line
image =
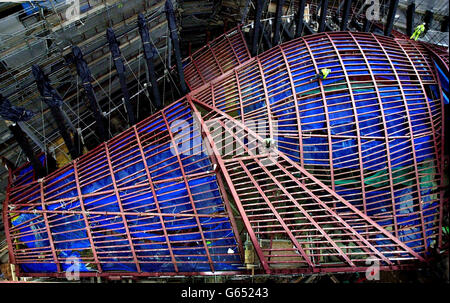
<point x="255" y="140"/>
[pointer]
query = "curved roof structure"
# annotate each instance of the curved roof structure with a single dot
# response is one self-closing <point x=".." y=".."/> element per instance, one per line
<point x="323" y="174"/>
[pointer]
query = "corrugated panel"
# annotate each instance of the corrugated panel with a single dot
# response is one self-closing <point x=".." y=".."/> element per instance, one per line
<point x="371" y="131"/>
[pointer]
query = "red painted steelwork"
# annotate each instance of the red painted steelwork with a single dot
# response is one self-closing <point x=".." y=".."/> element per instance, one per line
<point x="407" y="62"/>
<point x="293" y="207"/>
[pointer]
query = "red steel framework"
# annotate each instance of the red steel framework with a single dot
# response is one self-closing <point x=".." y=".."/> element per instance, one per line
<point x="399" y="67"/>
<point x="157" y="180"/>
<point x="296" y="215"/>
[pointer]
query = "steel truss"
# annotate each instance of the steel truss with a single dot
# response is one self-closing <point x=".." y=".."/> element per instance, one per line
<point x="392" y="166"/>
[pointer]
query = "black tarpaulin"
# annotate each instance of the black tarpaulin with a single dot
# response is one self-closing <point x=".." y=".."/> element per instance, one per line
<point x="54" y="101"/>
<point x="120" y="68"/>
<point x="86" y="78"/>
<point x="149" y="53"/>
<point x="49" y="95"/>
<point x="13" y="113"/>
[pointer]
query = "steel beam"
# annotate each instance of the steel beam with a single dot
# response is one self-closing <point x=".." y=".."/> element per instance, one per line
<point x="299" y="18"/>
<point x="347" y="8"/>
<point x="86" y="78"/>
<point x="149" y="52"/>
<point x="32" y="136"/>
<point x="278" y="13"/>
<point x="428" y="19"/>
<point x="120" y="68"/>
<point x="259" y="4"/>
<point x="330" y="230"/>
<point x="59" y="119"/>
<point x="410" y="12"/>
<point x="323" y="15"/>
<point x="170" y="15"/>
<point x="393" y="4"/>
<point x="287" y="33"/>
<point x="54" y="101"/>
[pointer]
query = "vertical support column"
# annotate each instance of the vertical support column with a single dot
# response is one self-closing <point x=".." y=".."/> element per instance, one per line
<point x="393" y="4"/>
<point x="323" y="15"/>
<point x="278" y="13"/>
<point x="176" y="44"/>
<point x="344" y="21"/>
<point x="410" y="18"/>
<point x="149" y="52"/>
<point x="257" y="26"/>
<point x="299" y="22"/>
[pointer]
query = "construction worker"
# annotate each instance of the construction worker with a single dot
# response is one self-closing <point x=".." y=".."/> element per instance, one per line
<point x="323" y="73"/>
<point x="418" y="31"/>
